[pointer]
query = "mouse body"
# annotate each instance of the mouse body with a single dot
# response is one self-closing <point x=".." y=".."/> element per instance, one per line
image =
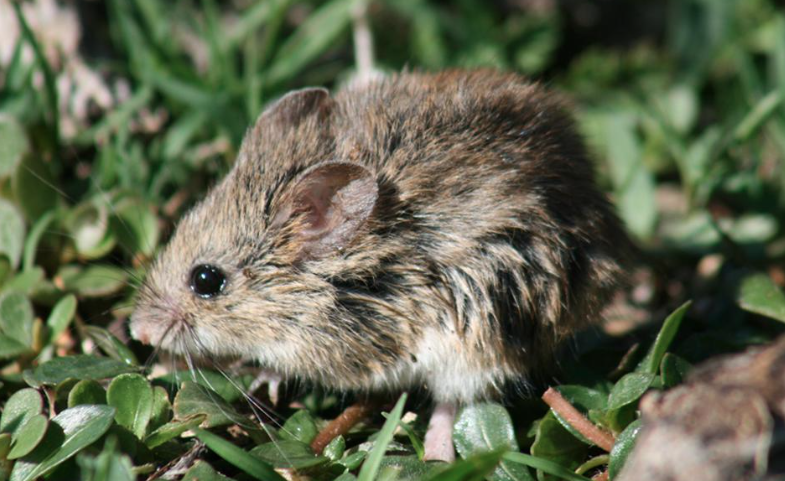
<point x="439" y="231"/>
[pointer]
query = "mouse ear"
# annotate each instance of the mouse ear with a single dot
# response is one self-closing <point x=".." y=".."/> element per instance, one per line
<point x="327" y="206"/>
<point x="293" y="107"/>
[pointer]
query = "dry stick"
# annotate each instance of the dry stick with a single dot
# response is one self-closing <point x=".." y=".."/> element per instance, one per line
<point x="577" y="420"/>
<point x="363" y="42"/>
<point x="341" y="425"/>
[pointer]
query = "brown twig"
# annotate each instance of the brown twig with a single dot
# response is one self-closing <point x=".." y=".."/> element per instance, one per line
<point x="577" y="420"/>
<point x="341" y="425"/>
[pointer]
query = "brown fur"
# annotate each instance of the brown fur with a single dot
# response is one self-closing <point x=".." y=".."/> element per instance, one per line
<point x="488" y="227"/>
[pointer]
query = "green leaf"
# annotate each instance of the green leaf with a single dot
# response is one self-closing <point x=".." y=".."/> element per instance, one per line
<point x="11" y="348"/>
<point x="201" y="471"/>
<point x="132" y="397"/>
<point x="409" y="468"/>
<point x="162" y="408"/>
<point x="69" y="432"/>
<point x="228" y="389"/>
<point x="16" y="317"/>
<point x="12" y="232"/>
<point x="25" y="281"/>
<point x="109" y="465"/>
<point x="625" y="442"/>
<point x="758" y="116"/>
<point x="94" y="280"/>
<point x="172" y="430"/>
<point x="79" y="367"/>
<point x="476" y="468"/>
<point x="135" y="226"/>
<point x="249" y="464"/>
<point x="111" y="346"/>
<point x="651" y="363"/>
<point x="335" y="449"/>
<point x="545" y="466"/>
<point x="484" y="427"/>
<point x="314" y="36"/>
<point x="86" y="391"/>
<point x="554" y="443"/>
<point x="13" y="145"/>
<point x="674" y="370"/>
<point x="299" y="427"/>
<point x="371" y="465"/>
<point x="194" y="399"/>
<point x="20" y="407"/>
<point x="290" y="454"/>
<point x="33" y="187"/>
<point x="585" y="400"/>
<point x="88" y="225"/>
<point x="28" y="436"/>
<point x="61" y="316"/>
<point x="629" y="389"/>
<point x="760" y="295"/>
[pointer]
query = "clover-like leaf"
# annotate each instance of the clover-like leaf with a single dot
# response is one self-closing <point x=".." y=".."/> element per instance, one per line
<point x="292" y="454"/>
<point x="485" y="427"/>
<point x="79" y="367"/>
<point x="194" y="399"/>
<point x="132" y="397"/>
<point x="28" y="436"/>
<point x="12" y="232"/>
<point x="759" y="294"/>
<point x="69" y="432"/>
<point x="629" y="389"/>
<point x="299" y="427"/>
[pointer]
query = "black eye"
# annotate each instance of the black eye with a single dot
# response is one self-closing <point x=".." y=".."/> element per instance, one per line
<point x="207" y="281"/>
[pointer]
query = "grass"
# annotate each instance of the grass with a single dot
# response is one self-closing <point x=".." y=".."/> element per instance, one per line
<point x="686" y="120"/>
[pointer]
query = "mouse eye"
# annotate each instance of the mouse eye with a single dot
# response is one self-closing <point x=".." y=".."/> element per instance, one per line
<point x="207" y="281"/>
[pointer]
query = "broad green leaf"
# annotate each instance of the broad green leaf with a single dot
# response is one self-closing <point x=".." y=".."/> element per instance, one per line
<point x="13" y="145"/>
<point x="69" y="432"/>
<point x="132" y="397"/>
<point x="136" y="227"/>
<point x="11" y="348"/>
<point x="288" y="454"/>
<point x="674" y="370"/>
<point x="25" y="281"/>
<point x="651" y="363"/>
<point x="299" y="427"/>
<point x="756" y="117"/>
<point x="335" y="449"/>
<point x="111" y="346"/>
<point x="760" y="295"/>
<point x="548" y="467"/>
<point x="12" y="232"/>
<point x="94" y="280"/>
<point x="33" y="187"/>
<point x="109" y="465"/>
<point x="5" y="268"/>
<point x="61" y="316"/>
<point x="629" y="389"/>
<point x="5" y="445"/>
<point x="20" y="407"/>
<point x="353" y="461"/>
<point x="172" y="430"/>
<point x="228" y="389"/>
<point x="475" y="468"/>
<point x="584" y="399"/>
<point x="248" y="463"/>
<point x="201" y="471"/>
<point x="86" y="391"/>
<point x="625" y="441"/>
<point x="79" y="367"/>
<point x="409" y="468"/>
<point x="162" y="408"/>
<point x="28" y="436"/>
<point x="371" y="465"/>
<point x="16" y="317"/>
<point x="485" y="427"/>
<point x="194" y="399"/>
<point x="553" y="442"/>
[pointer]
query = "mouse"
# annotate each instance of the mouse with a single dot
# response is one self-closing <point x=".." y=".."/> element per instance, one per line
<point x="436" y="231"/>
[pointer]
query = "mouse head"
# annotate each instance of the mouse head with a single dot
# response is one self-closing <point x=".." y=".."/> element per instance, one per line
<point x="237" y="277"/>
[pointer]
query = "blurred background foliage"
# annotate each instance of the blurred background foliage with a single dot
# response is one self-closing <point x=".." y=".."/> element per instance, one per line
<point x="117" y="115"/>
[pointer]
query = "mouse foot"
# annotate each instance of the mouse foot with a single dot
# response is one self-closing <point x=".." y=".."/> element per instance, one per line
<point x="273" y="381"/>
<point x="438" y="438"/>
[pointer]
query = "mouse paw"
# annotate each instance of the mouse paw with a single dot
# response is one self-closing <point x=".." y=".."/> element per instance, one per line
<point x="438" y="438"/>
<point x="273" y="381"/>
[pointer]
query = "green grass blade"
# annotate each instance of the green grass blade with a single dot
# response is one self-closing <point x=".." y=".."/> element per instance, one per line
<point x="371" y="465"/>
